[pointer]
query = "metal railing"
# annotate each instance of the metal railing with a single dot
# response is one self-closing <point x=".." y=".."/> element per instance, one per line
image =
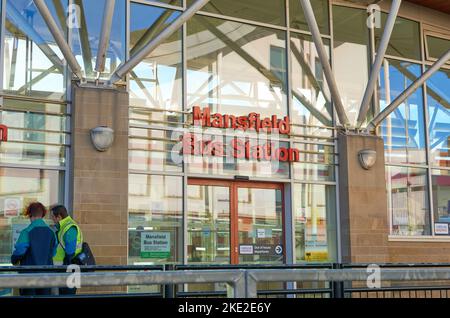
<point x="336" y="280"/>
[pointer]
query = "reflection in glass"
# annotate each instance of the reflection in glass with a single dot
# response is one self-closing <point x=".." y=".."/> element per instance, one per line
<point x="436" y="47"/>
<point x="37" y="133"/>
<point x="18" y="188"/>
<point x="351" y="56"/>
<point x="408" y="202"/>
<point x="217" y="50"/>
<point x="272" y="12"/>
<point x="152" y="150"/>
<point x="171" y="2"/>
<point x="403" y="131"/>
<point x="208" y="224"/>
<point x="315" y="222"/>
<point x="310" y="96"/>
<point x="316" y="162"/>
<point x="260" y="226"/>
<point x="86" y="37"/>
<point x="320" y="8"/>
<point x="156" y="82"/>
<point x="155" y="207"/>
<point x="226" y="164"/>
<point x="405" y="38"/>
<point x="33" y="63"/>
<point x="438" y="100"/>
<point x="441" y="195"/>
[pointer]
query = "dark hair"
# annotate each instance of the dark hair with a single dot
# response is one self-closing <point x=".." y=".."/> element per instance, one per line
<point x="59" y="210"/>
<point x="36" y="209"/>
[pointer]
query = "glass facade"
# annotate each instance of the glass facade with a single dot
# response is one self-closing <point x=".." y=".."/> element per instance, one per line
<point x="198" y="66"/>
<point x="233" y="57"/>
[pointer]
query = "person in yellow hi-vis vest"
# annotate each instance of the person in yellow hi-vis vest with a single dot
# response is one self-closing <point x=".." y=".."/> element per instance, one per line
<point x="70" y="241"/>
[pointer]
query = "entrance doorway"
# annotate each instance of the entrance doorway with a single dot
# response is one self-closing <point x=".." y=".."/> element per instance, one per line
<point x="235" y="222"/>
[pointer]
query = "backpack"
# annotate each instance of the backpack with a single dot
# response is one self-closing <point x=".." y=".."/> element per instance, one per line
<point x="85" y="257"/>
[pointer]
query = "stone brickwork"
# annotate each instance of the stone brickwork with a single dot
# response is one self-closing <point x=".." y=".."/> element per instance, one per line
<point x="100" y="179"/>
<point x="363" y="201"/>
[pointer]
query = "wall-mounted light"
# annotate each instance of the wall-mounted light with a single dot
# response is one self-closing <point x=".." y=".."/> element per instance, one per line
<point x="367" y="158"/>
<point x="102" y="137"/>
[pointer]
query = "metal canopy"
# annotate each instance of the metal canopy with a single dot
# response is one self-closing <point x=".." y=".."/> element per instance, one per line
<point x="105" y="35"/>
<point x="314" y="28"/>
<point x="151" y="40"/>
<point x="411" y="89"/>
<point x="59" y="38"/>
<point x="365" y="104"/>
<point x="160" y="38"/>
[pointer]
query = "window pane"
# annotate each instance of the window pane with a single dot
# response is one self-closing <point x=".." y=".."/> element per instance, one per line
<point x="310" y="95"/>
<point x="321" y="12"/>
<point x="18" y="188"/>
<point x="316" y="162"/>
<point x="153" y="150"/>
<point x="315" y="223"/>
<point x="405" y="38"/>
<point x="156" y="82"/>
<point x="408" y="202"/>
<point x="33" y="63"/>
<point x="437" y="47"/>
<point x="208" y="224"/>
<point x="34" y="107"/>
<point x="403" y="131"/>
<point x="171" y="2"/>
<point x="37" y="133"/>
<point x="217" y="50"/>
<point x="155" y="213"/>
<point x="438" y="99"/>
<point x="223" y="162"/>
<point x="272" y="11"/>
<point x="441" y="196"/>
<point x="87" y="36"/>
<point x="351" y="56"/>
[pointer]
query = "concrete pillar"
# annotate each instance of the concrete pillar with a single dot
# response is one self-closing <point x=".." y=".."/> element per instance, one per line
<point x="363" y="201"/>
<point x="100" y="179"/>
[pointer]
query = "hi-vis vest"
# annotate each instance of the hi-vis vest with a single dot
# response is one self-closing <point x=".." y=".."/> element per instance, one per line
<point x="65" y="225"/>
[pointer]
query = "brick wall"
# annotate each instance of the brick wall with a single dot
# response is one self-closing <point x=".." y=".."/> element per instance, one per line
<point x="100" y="179"/>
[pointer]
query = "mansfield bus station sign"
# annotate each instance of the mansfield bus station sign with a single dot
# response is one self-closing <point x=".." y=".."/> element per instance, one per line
<point x="242" y="137"/>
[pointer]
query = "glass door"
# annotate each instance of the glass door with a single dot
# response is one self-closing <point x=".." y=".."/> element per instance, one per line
<point x="260" y="238"/>
<point x="233" y="222"/>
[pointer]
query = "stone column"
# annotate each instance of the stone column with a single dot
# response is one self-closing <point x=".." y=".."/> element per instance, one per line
<point x="100" y="179"/>
<point x="363" y="201"/>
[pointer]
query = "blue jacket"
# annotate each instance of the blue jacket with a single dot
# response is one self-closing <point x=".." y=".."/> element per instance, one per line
<point x="36" y="245"/>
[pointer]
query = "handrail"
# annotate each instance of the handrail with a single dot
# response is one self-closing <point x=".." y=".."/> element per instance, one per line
<point x="242" y="282"/>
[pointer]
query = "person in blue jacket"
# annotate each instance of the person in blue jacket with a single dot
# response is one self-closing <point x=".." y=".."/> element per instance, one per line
<point x="36" y="245"/>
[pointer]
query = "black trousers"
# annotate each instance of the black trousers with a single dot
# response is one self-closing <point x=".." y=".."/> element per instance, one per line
<point x="35" y="291"/>
<point x="67" y="291"/>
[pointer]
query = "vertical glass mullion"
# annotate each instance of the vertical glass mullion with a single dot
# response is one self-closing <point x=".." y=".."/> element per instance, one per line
<point x="289" y="213"/>
<point x="427" y="133"/>
<point x="184" y="106"/>
<point x="336" y="146"/>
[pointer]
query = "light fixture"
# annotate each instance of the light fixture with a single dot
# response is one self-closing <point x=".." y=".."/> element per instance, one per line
<point x="367" y="158"/>
<point x="102" y="137"/>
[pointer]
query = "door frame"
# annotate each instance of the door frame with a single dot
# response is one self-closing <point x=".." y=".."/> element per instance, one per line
<point x="234" y="216"/>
